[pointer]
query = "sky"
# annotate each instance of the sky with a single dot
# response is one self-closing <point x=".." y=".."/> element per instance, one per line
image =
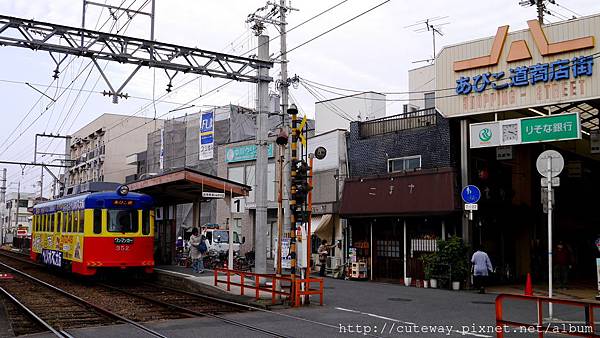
<point x="372" y="52"/>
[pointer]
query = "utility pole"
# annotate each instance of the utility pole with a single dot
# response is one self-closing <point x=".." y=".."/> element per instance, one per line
<point x="42" y="183"/>
<point x="283" y="86"/>
<point x="3" y="201"/>
<point x="18" y="200"/>
<point x="540" y="5"/>
<point x="262" y="109"/>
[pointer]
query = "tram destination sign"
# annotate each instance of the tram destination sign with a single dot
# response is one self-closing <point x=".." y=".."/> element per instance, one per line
<point x="560" y="127"/>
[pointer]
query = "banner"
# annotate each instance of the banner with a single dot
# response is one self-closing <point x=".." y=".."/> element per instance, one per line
<point x="206" y="136"/>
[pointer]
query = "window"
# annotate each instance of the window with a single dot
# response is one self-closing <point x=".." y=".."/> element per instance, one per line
<point x="122" y="220"/>
<point x="145" y="222"/>
<point x="81" y="221"/>
<point x="236" y="174"/>
<point x="429" y="100"/>
<point x="250" y="177"/>
<point x="52" y="223"/>
<point x="404" y="163"/>
<point x="68" y="222"/>
<point x="23" y="203"/>
<point x="59" y="221"/>
<point x="76" y="221"/>
<point x="97" y="221"/>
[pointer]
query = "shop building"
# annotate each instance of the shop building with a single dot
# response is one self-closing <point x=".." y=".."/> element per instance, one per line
<point x="402" y="194"/>
<point x="513" y="96"/>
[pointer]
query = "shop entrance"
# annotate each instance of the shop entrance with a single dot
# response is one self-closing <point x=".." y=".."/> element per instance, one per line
<point x="511" y="223"/>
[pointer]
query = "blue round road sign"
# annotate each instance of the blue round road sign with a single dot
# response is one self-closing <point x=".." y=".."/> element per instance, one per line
<point x="471" y="194"/>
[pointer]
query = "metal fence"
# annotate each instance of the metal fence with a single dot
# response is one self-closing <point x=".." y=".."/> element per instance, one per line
<point x="404" y="121"/>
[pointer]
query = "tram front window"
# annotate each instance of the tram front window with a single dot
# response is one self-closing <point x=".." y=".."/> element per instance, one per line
<point x="122" y="221"/>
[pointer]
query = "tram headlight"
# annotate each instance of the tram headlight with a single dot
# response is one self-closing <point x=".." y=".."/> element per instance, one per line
<point x="123" y="190"/>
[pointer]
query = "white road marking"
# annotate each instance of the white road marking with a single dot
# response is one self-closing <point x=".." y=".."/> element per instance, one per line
<point x="462" y="333"/>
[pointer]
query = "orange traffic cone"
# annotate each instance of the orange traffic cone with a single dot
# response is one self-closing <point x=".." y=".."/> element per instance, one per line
<point x="528" y="286"/>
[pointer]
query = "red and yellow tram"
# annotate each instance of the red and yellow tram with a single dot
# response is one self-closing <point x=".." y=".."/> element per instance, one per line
<point x="92" y="231"/>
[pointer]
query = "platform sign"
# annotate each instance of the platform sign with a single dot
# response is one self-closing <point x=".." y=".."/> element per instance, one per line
<point x="209" y="194"/>
<point x="471" y="194"/>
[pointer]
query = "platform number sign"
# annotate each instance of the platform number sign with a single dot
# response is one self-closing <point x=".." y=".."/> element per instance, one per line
<point x="238" y="205"/>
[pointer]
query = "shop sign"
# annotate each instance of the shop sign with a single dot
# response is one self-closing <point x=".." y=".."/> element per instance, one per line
<point x="550" y="128"/>
<point x="245" y="153"/>
<point x="542" y="65"/>
<point x="485" y="134"/>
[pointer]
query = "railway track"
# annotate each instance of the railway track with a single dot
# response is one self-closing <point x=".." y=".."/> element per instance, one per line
<point x="55" y="309"/>
<point x="147" y="301"/>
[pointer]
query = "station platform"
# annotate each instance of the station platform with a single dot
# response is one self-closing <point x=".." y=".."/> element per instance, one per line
<point x="204" y="282"/>
<point x="576" y="292"/>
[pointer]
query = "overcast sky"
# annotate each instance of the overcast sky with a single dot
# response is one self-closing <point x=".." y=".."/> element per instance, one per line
<point x="373" y="52"/>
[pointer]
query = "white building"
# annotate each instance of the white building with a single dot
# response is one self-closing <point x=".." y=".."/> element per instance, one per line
<point x="99" y="150"/>
<point x="15" y="214"/>
<point x="337" y="113"/>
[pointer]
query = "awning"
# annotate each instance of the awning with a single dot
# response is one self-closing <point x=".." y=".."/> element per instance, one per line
<point x="321" y="225"/>
<point x="401" y="194"/>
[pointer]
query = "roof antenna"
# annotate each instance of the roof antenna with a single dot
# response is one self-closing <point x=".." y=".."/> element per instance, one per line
<point x="432" y="27"/>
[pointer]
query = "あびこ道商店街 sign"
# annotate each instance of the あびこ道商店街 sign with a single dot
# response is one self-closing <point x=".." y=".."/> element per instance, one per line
<point x="550" y="128"/>
<point x="560" y="127"/>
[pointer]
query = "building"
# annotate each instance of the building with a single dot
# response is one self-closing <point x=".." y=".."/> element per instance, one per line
<point x="511" y="97"/>
<point x="17" y="215"/>
<point x="337" y="113"/>
<point x="402" y="192"/>
<point x="99" y="150"/>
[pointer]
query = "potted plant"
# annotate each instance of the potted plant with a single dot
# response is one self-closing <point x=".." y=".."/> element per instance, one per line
<point x="453" y="253"/>
<point x="429" y="264"/>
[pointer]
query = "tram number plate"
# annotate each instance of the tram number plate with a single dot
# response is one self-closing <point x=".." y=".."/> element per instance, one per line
<point x="52" y="257"/>
<point x="120" y="240"/>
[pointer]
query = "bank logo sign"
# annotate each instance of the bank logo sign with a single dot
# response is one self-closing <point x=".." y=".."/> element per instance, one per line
<point x="485" y="135"/>
<point x="539" y="66"/>
<point x="561" y="127"/>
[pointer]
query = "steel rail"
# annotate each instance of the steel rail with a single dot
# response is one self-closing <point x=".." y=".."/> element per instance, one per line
<point x="32" y="314"/>
<point x="198" y="313"/>
<point x="86" y="303"/>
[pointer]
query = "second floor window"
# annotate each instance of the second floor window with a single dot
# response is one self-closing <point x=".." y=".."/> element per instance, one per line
<point x="404" y="163"/>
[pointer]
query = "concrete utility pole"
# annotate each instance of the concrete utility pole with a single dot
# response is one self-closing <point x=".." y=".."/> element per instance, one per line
<point x="18" y="200"/>
<point x="540" y="11"/>
<point x="262" y="109"/>
<point x="284" y="89"/>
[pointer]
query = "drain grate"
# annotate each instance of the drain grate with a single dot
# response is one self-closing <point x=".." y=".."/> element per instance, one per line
<point x="483" y="302"/>
<point x="400" y="299"/>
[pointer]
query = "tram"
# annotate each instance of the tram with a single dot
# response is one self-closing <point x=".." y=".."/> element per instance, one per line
<point x="97" y="230"/>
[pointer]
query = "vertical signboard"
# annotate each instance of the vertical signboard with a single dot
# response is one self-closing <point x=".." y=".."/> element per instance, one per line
<point x="206" y="136"/>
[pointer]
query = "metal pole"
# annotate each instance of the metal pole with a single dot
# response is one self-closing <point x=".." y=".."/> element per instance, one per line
<point x="404" y="253"/>
<point x="549" y="186"/>
<point x="230" y="258"/>
<point x="371" y="250"/>
<point x="279" y="210"/>
<point x="261" y="158"/>
<point x="42" y="183"/>
<point x="152" y="20"/>
<point x="18" y="200"/>
<point x="464" y="172"/>
<point x="309" y="212"/>
<point x="83" y="21"/>
<point x="293" y="203"/>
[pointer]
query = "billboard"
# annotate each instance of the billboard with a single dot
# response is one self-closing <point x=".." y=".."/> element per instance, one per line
<point x="207" y="133"/>
<point x="538" y="66"/>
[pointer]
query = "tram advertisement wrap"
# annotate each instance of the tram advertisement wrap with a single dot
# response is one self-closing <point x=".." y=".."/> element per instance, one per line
<point x="70" y="246"/>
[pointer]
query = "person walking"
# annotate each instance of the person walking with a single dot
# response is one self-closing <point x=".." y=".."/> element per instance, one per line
<point x="562" y="264"/>
<point x="482" y="266"/>
<point x="323" y="254"/>
<point x="195" y="252"/>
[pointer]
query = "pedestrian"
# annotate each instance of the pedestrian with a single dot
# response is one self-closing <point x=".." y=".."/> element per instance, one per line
<point x="562" y="264"/>
<point x="195" y="253"/>
<point x="482" y="266"/>
<point x="323" y="253"/>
